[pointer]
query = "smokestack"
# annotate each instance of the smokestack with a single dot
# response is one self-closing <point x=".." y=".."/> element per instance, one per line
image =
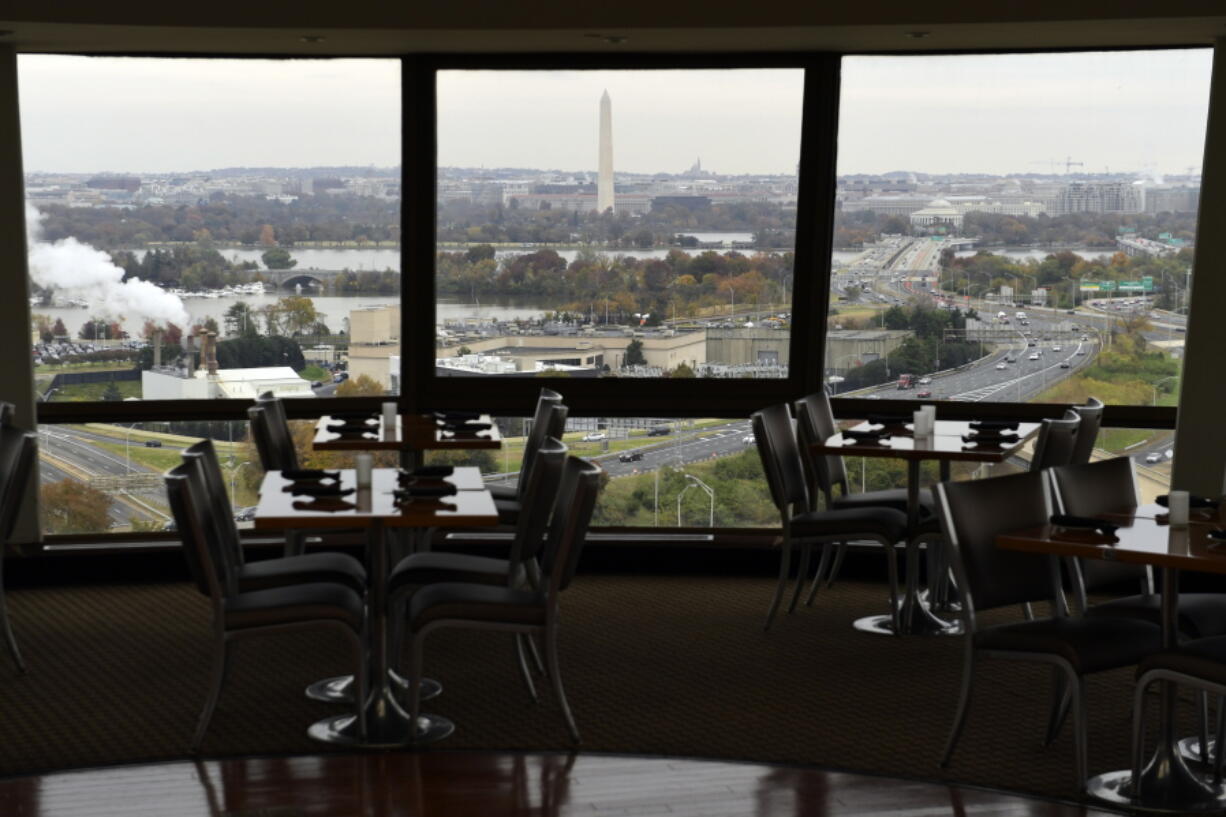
<point x="210" y="345"/>
<point x="189" y="351"/>
<point x="157" y="348"/>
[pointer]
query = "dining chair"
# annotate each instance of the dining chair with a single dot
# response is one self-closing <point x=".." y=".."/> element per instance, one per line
<point x="520" y="569"/>
<point x="1091" y="415"/>
<point x="537" y="434"/>
<point x="552" y="424"/>
<point x="825" y="472"/>
<point x="235" y="614"/>
<point x="1057" y="441"/>
<point x="801" y="525"/>
<point x="531" y="611"/>
<point x="18" y="450"/>
<point x="972" y="515"/>
<point x="327" y="566"/>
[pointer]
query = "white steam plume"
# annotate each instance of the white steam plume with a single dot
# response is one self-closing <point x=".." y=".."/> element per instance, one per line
<point x="80" y="271"/>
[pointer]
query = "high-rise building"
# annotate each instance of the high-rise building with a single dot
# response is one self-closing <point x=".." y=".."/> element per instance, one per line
<point x="604" y="181"/>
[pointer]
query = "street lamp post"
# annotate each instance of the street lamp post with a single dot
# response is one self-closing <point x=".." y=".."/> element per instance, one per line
<point x="696" y="482"/>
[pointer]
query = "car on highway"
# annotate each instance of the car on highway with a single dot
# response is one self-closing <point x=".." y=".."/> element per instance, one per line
<point x="1002" y="365"/>
<point x="1034" y="356"/>
<point x="1081" y="351"/>
<point x="925" y="380"/>
<point x="1010" y="358"/>
<point x="924" y="393"/>
<point x="749" y="439"/>
<point x="1031" y="343"/>
<point x="153" y="443"/>
<point x="630" y="456"/>
<point x="595" y="437"/>
<point x="1064" y="364"/>
<point x="1153" y="457"/>
<point x="1085" y="337"/>
<point x="1056" y="348"/>
<point x="659" y="431"/>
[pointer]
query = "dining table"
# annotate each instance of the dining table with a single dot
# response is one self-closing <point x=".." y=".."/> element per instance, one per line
<point x="382" y="506"/>
<point x="951" y="441"/>
<point x="1145" y="537"/>
<point x="410" y="435"/>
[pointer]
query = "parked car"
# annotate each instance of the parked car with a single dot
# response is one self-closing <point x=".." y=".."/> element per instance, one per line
<point x="630" y="456"/>
<point x="595" y="437"/>
<point x="659" y="431"/>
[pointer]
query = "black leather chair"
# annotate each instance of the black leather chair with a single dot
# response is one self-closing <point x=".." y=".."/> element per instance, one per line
<point x="1091" y="415"/>
<point x="18" y="450"/>
<point x="317" y="605"/>
<point x="540" y="431"/>
<point x="508" y="609"/>
<point x="1057" y="442"/>
<point x="244" y="576"/>
<point x="828" y="472"/>
<point x="521" y="569"/>
<point x="781" y="461"/>
<point x="972" y="515"/>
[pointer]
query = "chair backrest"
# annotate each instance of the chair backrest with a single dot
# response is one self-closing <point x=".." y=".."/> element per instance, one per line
<point x="1056" y="443"/>
<point x="270" y="430"/>
<point x="554" y="425"/>
<point x="776" y="440"/>
<point x="1095" y="488"/>
<point x="189" y="517"/>
<point x="18" y="450"/>
<point x="540" y="430"/>
<point x="815" y="424"/>
<point x="537" y="506"/>
<point x="572" y="513"/>
<point x="203" y="456"/>
<point x="972" y="515"/>
<point x="1091" y="415"/>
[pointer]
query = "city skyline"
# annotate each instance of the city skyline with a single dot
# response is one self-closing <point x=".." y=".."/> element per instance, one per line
<point x="1141" y="112"/>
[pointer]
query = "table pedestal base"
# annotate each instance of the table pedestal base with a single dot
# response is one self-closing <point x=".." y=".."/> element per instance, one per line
<point x="387" y="726"/>
<point x="1168" y="786"/>
<point x="339" y="690"/>
<point x="926" y="624"/>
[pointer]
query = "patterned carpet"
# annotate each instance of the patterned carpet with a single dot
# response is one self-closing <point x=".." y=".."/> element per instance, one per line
<point x="657" y="665"/>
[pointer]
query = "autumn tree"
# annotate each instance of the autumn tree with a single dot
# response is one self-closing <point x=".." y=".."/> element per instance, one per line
<point x="297" y="313"/>
<point x="362" y="386"/>
<point x="267" y="237"/>
<point x="70" y="506"/>
<point x="59" y="329"/>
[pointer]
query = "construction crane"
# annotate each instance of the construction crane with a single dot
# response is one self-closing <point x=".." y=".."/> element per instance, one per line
<point x="1069" y="164"/>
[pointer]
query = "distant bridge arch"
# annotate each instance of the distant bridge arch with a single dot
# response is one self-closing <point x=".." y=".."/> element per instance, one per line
<point x="310" y="279"/>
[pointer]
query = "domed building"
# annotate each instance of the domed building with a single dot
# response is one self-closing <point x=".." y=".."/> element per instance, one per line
<point x="938" y="212"/>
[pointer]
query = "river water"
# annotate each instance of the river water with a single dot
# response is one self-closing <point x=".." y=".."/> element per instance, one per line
<point x="335" y="309"/>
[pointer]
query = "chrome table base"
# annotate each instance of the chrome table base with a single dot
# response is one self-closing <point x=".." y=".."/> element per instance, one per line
<point x="388" y="726"/>
<point x="339" y="690"/>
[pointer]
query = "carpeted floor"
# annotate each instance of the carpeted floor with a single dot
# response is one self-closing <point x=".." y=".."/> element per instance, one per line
<point x="659" y="665"/>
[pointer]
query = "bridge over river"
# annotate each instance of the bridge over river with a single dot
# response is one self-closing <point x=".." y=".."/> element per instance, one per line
<point x="311" y="280"/>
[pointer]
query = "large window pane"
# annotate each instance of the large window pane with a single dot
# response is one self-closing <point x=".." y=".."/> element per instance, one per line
<point x="1026" y="235"/>
<point x="616" y="223"/>
<point x="204" y="229"/>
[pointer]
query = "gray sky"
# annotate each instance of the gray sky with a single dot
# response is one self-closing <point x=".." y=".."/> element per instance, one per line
<point x="1132" y="111"/>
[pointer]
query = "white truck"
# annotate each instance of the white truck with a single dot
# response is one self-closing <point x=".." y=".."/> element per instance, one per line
<point x="1020" y="316"/>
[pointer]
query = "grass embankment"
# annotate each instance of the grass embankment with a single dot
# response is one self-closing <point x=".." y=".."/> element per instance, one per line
<point x="94" y="392"/>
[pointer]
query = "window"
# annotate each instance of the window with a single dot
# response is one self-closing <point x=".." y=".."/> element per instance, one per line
<point x="212" y="229"/>
<point x="1016" y="227"/>
<point x="629" y="223"/>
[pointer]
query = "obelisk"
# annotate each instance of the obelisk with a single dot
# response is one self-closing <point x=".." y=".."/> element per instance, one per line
<point x="604" y="182"/>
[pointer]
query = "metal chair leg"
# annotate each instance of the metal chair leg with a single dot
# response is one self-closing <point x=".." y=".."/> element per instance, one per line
<point x="524" y="672"/>
<point x="891" y="572"/>
<point x="362" y="678"/>
<point x="534" y="654"/>
<point x="555" y="673"/>
<point x="802" y="572"/>
<point x="840" y="554"/>
<point x="785" y="563"/>
<point x="1060" y="699"/>
<point x="822" y="564"/>
<point x="217" y="679"/>
<point x="9" y="638"/>
<point x="1077" y="684"/>
<point x="1203" y="731"/>
<point x="964" y="702"/>
<point x="414" y="682"/>
<point x="1219" y="740"/>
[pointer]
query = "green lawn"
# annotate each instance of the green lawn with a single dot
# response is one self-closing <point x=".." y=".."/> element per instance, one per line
<point x="92" y="392"/>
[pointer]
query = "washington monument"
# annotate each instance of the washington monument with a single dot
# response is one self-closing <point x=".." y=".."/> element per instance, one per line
<point x="604" y="182"/>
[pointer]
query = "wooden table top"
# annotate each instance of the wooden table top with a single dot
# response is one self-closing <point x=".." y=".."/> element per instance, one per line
<point x="945" y="443"/>
<point x="414" y="431"/>
<point x="465" y="508"/>
<point x="1144" y="537"/>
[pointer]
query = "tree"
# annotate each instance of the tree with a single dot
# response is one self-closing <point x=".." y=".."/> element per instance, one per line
<point x="267" y="237"/>
<point x="682" y="370"/>
<point x="278" y="258"/>
<point x="297" y="313"/>
<point x="59" y="329"/>
<point x="362" y="385"/>
<point x="111" y="393"/>
<point x="240" y="319"/>
<point x="42" y="325"/>
<point x="70" y="506"/>
<point x="634" y="354"/>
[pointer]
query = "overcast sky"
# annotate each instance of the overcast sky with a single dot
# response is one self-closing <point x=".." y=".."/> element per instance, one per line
<point x="1123" y="111"/>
